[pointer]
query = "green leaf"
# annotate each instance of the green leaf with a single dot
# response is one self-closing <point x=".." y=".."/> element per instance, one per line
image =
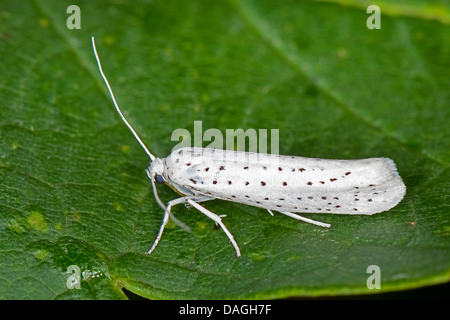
<point x="74" y="192"/>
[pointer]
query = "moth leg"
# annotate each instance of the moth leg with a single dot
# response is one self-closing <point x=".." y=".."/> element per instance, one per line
<point x="296" y="216"/>
<point x="168" y="213"/>
<point x="218" y="221"/>
<point x="270" y="211"/>
<point x="180" y="223"/>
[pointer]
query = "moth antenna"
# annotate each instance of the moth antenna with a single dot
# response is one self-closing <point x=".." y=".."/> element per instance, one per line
<point x="152" y="157"/>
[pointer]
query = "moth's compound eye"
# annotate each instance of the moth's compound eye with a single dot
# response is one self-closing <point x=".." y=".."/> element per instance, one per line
<point x="159" y="179"/>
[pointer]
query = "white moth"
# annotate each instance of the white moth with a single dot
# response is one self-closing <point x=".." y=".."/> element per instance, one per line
<point x="285" y="184"/>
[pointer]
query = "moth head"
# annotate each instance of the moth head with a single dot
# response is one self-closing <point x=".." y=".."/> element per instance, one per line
<point x="157" y="171"/>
